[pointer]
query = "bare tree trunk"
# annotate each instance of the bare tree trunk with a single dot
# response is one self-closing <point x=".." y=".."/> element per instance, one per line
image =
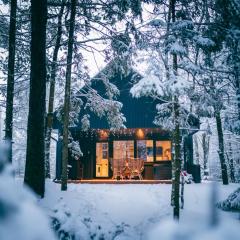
<point x="236" y="71"/>
<point x="182" y="176"/>
<point x="238" y="96"/>
<point x="10" y="80"/>
<point x="205" y="146"/>
<point x="230" y="162"/>
<point x="182" y="192"/>
<point x="67" y="98"/>
<point x="169" y="16"/>
<point x="176" y="137"/>
<point x="176" y="160"/>
<point x="35" y="164"/>
<point x="221" y="148"/>
<point x="53" y="68"/>
<point x="196" y="150"/>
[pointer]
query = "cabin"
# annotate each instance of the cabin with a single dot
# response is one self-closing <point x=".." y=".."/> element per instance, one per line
<point x="141" y="141"/>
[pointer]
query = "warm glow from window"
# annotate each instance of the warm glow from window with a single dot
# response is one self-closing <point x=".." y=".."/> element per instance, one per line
<point x="140" y="134"/>
<point x="163" y="150"/>
<point x="145" y="150"/>
<point x="102" y="160"/>
<point x="123" y="149"/>
<point x="103" y="135"/>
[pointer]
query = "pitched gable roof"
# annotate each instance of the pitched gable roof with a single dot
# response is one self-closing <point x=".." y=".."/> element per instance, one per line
<point x="139" y="113"/>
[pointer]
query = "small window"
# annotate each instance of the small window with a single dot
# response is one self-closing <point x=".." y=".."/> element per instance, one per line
<point x="105" y="150"/>
<point x="163" y="150"/>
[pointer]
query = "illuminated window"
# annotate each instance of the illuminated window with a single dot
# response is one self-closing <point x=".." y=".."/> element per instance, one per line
<point x="163" y="150"/>
<point x="123" y="149"/>
<point x="145" y="150"/>
<point x="102" y="159"/>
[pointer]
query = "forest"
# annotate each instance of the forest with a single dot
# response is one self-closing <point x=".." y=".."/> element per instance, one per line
<point x="187" y="53"/>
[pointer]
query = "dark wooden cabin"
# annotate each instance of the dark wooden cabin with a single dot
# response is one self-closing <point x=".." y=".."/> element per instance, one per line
<point x="141" y="138"/>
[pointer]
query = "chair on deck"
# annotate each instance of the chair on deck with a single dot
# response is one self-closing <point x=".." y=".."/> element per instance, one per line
<point x="117" y="166"/>
<point x="137" y="166"/>
<point x="127" y="168"/>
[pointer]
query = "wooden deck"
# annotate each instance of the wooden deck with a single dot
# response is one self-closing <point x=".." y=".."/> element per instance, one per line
<point x="111" y="181"/>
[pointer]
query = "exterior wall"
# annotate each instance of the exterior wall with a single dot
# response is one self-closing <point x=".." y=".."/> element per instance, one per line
<point x="86" y="167"/>
<point x="152" y="170"/>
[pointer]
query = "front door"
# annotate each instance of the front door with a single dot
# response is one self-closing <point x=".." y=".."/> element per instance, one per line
<point x="102" y="159"/>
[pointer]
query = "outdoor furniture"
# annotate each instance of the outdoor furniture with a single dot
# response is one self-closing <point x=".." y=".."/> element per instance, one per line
<point x="117" y="168"/>
<point x="137" y="167"/>
<point x="127" y="168"/>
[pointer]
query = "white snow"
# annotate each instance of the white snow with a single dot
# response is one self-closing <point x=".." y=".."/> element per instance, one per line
<point x="203" y="41"/>
<point x="126" y="211"/>
<point x="177" y="48"/>
<point x="20" y="217"/>
<point x="149" y="85"/>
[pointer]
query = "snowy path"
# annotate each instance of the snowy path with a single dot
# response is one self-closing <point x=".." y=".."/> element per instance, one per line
<point x="110" y="209"/>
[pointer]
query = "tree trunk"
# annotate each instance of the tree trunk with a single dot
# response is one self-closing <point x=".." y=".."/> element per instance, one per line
<point x="67" y="98"/>
<point x="182" y="176"/>
<point x="35" y="164"/>
<point x="10" y="80"/>
<point x="176" y="160"/>
<point x="221" y="148"/>
<point x="236" y="71"/>
<point x="230" y="162"/>
<point x="238" y="98"/>
<point x="176" y="137"/>
<point x="52" y="92"/>
<point x="205" y="147"/>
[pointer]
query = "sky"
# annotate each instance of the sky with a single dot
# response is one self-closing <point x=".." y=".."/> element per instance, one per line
<point x="96" y="59"/>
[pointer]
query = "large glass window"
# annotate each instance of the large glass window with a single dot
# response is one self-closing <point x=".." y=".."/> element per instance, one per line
<point x="163" y="150"/>
<point x="145" y="150"/>
<point x="102" y="159"/>
<point x="123" y="149"/>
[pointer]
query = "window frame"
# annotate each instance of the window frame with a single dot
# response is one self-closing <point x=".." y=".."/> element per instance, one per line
<point x="155" y="150"/>
<point x="163" y="160"/>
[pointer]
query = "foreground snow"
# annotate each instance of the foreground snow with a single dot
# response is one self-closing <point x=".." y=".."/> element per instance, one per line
<point x="19" y="214"/>
<point x="102" y="211"/>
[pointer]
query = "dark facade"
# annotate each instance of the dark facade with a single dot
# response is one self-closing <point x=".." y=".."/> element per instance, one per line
<point x="141" y="138"/>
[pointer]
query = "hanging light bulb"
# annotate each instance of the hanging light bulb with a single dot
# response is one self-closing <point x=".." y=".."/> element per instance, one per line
<point x="140" y="133"/>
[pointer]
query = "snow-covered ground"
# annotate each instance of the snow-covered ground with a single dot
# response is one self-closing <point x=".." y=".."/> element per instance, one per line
<point x="128" y="211"/>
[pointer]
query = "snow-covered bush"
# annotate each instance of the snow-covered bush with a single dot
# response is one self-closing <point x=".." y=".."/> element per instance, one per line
<point x="75" y="227"/>
<point x="232" y="203"/>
